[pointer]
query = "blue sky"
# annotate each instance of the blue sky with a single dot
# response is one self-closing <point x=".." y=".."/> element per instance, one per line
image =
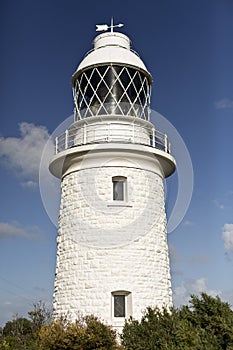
<point x="187" y="47"/>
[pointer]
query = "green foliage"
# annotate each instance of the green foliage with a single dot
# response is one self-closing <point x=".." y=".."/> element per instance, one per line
<point x="206" y="324"/>
<point x="39" y="316"/>
<point x="17" y="334"/>
<point x="39" y="333"/>
<point x="85" y="334"/>
<point x="21" y="333"/>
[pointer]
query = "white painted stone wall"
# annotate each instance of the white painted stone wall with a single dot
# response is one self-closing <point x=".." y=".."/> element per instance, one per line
<point x="106" y="246"/>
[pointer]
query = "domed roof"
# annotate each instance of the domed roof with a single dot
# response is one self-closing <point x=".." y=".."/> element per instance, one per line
<point x="114" y="48"/>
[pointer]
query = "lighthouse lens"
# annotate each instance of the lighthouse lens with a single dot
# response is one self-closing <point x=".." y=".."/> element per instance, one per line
<point x="113" y="89"/>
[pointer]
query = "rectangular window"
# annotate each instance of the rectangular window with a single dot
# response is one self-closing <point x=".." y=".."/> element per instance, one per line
<point x="119" y="305"/>
<point x="119" y="188"/>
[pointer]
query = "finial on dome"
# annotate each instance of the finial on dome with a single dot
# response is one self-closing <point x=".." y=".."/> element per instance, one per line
<point x="104" y="27"/>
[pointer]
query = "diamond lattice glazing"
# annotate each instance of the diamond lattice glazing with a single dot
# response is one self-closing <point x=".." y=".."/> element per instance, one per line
<point x="112" y="89"/>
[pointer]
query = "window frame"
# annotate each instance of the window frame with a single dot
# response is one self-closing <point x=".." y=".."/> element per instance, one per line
<point x="122" y="304"/>
<point x="123" y="180"/>
<point x="127" y="304"/>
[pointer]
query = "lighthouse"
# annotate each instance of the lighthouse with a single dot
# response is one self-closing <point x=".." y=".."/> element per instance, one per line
<point x="112" y="252"/>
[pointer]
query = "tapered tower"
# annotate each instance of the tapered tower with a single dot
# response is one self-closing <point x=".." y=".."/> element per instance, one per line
<point x="112" y="253"/>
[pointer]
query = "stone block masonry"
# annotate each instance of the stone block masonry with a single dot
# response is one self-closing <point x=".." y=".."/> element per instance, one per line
<point x="106" y="246"/>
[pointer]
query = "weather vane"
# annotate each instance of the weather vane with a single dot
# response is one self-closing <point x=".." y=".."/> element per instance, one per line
<point x="104" y="27"/>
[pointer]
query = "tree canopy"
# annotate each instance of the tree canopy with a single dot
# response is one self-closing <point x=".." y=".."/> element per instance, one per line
<point x="205" y="324"/>
<point x="39" y="332"/>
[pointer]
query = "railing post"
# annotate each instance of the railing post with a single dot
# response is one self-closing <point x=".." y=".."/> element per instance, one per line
<point x="56" y="145"/>
<point x="165" y="143"/>
<point x="66" y="138"/>
<point x="153" y="137"/>
<point x="84" y="134"/>
<point x="108" y="131"/>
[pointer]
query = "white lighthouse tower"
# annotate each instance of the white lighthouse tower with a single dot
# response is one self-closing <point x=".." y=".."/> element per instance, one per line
<point x="112" y="253"/>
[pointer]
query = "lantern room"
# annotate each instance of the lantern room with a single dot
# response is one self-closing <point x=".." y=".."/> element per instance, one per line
<point x="111" y="80"/>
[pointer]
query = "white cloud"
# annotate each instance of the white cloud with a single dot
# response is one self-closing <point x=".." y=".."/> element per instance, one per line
<point x="29" y="184"/>
<point x="227" y="296"/>
<point x="227" y="236"/>
<point x="181" y="294"/>
<point x="13" y="230"/>
<point x="224" y="103"/>
<point x="23" y="154"/>
<point x="187" y="223"/>
<point x="218" y="204"/>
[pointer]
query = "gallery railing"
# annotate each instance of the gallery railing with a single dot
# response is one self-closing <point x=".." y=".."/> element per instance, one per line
<point x="111" y="132"/>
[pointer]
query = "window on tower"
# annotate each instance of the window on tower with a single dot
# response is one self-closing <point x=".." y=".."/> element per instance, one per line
<point x="121" y="304"/>
<point x="119" y="188"/>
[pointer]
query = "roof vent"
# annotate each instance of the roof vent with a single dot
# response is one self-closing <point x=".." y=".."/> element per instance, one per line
<point x="112" y="39"/>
